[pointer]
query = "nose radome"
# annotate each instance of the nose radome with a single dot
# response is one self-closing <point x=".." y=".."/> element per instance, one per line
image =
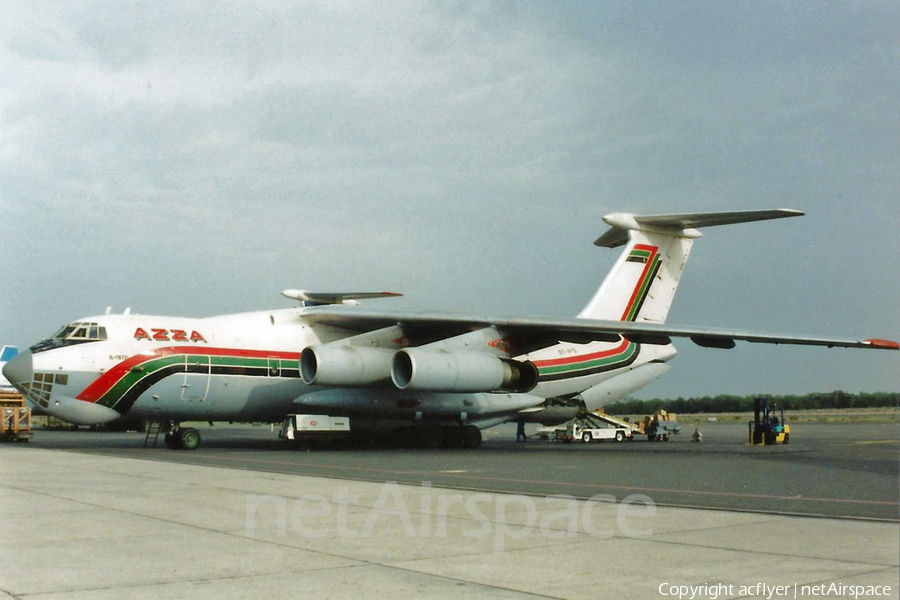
<point x="19" y="370"/>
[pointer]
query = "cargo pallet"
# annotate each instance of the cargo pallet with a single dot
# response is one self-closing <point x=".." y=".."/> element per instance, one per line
<point x="15" y="418"/>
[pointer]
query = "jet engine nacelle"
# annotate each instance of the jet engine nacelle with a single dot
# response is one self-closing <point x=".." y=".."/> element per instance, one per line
<point x="442" y="371"/>
<point x="345" y="365"/>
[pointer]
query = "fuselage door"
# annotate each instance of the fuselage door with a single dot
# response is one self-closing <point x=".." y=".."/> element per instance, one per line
<point x="196" y="378"/>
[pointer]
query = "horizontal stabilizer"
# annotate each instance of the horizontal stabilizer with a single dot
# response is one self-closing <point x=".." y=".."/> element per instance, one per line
<point x="621" y="223"/>
<point x="313" y="298"/>
<point x="687" y="220"/>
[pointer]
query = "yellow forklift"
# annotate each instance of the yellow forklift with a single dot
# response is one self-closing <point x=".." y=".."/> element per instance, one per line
<point x="767" y="427"/>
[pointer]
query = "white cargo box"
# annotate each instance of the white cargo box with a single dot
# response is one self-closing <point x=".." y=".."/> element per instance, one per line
<point x="321" y="423"/>
<point x="313" y="426"/>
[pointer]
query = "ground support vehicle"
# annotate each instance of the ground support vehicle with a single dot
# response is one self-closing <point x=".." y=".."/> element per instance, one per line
<point x="597" y="426"/>
<point x="767" y="427"/>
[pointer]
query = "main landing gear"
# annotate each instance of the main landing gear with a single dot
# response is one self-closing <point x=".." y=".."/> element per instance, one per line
<point x="467" y="436"/>
<point x="176" y="437"/>
<point x="430" y="437"/>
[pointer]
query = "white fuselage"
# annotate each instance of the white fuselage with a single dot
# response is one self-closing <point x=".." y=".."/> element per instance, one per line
<point x="244" y="367"/>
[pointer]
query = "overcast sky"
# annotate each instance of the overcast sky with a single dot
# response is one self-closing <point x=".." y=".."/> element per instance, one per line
<point x="197" y="158"/>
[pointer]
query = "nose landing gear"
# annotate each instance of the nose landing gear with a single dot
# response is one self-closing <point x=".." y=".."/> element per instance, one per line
<point x="182" y="438"/>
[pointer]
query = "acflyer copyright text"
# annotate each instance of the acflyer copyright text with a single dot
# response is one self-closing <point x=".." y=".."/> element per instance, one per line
<point x="711" y="591"/>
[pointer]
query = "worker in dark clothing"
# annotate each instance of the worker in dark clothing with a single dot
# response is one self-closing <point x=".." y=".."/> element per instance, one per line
<point x="520" y="432"/>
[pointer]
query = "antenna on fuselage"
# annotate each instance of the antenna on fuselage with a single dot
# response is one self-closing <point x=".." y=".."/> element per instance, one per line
<point x="108" y="310"/>
<point x="127" y="311"/>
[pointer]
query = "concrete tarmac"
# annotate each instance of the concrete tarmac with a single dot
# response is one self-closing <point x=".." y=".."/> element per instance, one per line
<point x="100" y="525"/>
<point x="836" y="470"/>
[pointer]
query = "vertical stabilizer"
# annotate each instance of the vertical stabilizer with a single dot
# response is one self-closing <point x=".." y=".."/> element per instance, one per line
<point x="6" y="355"/>
<point x="643" y="281"/>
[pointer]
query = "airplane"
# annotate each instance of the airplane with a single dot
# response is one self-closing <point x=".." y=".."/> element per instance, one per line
<point x="438" y="379"/>
<point x="6" y="355"/>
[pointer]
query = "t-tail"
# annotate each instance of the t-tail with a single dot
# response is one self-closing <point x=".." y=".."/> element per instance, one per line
<point x="642" y="283"/>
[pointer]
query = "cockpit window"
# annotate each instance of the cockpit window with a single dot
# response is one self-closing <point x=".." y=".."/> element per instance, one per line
<point x="64" y="332"/>
<point x="71" y="334"/>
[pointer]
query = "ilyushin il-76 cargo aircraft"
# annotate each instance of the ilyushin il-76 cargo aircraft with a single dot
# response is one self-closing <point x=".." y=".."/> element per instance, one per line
<point x="441" y="378"/>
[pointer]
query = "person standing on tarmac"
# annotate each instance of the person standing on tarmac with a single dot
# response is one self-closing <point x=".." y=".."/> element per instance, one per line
<point x="520" y="432"/>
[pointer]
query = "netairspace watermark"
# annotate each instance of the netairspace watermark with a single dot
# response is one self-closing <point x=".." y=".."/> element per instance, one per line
<point x="481" y="515"/>
<point x="711" y="591"/>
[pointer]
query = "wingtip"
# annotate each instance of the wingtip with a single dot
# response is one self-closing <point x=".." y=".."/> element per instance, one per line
<point x="883" y="344"/>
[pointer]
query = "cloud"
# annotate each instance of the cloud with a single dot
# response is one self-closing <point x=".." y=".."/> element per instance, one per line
<point x="463" y="152"/>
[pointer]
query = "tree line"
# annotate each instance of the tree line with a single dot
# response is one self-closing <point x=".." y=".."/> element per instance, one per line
<point x="728" y="403"/>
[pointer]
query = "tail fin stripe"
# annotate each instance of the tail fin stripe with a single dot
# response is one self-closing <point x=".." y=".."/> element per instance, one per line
<point x="644" y="282"/>
<point x="645" y="293"/>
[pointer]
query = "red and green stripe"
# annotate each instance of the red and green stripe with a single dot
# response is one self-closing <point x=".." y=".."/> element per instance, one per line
<point x="588" y="364"/>
<point x="650" y="254"/>
<point x="119" y="387"/>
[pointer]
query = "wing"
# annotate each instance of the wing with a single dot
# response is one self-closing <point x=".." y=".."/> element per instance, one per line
<point x="312" y="298"/>
<point x="536" y="332"/>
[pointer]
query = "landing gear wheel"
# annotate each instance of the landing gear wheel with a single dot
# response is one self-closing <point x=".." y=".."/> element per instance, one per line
<point x="188" y="438"/>
<point x="428" y="437"/>
<point x="471" y="437"/>
<point x="452" y="437"/>
<point x="171" y="441"/>
<point x="620" y="437"/>
<point x="587" y="437"/>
